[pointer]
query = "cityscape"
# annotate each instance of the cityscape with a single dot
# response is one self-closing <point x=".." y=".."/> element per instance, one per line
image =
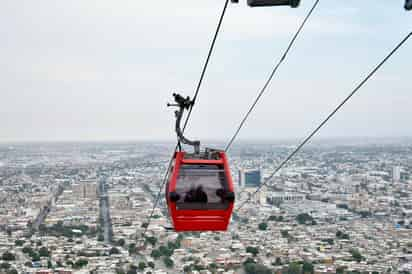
<point x="339" y="206"/>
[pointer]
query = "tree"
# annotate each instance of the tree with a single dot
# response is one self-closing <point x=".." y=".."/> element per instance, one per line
<point x="151" y="240"/>
<point x="8" y="256"/>
<point x="340" y="270"/>
<point x="27" y="250"/>
<point x="278" y="261"/>
<point x="132" y="248"/>
<point x="120" y="271"/>
<point x="263" y="226"/>
<point x="142" y="266"/>
<point x="19" y="242"/>
<point x="252" y="250"/>
<point x="303" y="218"/>
<point x="156" y="254"/>
<point x="168" y="262"/>
<point x="44" y="252"/>
<point x="144" y="225"/>
<point x="294" y="268"/>
<point x="49" y="264"/>
<point x="357" y="256"/>
<point x="121" y="242"/>
<point x="252" y="268"/>
<point x="114" y="250"/>
<point x="100" y="238"/>
<point x="151" y="264"/>
<point x="12" y="271"/>
<point x="80" y="263"/>
<point x="284" y="233"/>
<point x="307" y="267"/>
<point x="5" y="266"/>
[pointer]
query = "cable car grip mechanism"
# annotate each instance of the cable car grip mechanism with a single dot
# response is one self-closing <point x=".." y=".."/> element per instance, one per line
<point x="183" y="103"/>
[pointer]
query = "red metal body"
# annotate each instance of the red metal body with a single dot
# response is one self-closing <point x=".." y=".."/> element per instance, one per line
<point x="203" y="219"/>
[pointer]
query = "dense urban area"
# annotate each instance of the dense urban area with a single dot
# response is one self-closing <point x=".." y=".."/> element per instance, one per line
<point x="339" y="206"/>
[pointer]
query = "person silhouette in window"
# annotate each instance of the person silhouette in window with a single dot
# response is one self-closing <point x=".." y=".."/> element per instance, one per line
<point x="196" y="195"/>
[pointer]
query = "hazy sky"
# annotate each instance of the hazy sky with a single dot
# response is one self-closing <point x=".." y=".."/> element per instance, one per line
<point x="104" y="70"/>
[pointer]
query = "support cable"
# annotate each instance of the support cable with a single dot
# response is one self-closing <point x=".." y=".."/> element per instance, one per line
<point x="269" y="80"/>
<point x="212" y="46"/>
<point x="307" y="139"/>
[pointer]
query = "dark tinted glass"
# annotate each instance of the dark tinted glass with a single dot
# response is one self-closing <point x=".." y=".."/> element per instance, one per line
<point x="201" y="187"/>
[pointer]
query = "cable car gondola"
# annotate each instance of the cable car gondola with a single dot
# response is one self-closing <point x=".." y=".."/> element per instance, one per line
<point x="199" y="191"/>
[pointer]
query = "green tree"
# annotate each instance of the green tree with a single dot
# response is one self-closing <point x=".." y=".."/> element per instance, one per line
<point x="303" y="218"/>
<point x="114" y="250"/>
<point x="357" y="256"/>
<point x="294" y="268"/>
<point x="151" y="240"/>
<point x="100" y="238"/>
<point x="80" y="263"/>
<point x="307" y="267"/>
<point x="263" y="226"/>
<point x="19" y="242"/>
<point x="12" y="271"/>
<point x="252" y="250"/>
<point x="8" y="256"/>
<point x="44" y="252"/>
<point x="120" y="271"/>
<point x="5" y="266"/>
<point x="27" y="250"/>
<point x="121" y="242"/>
<point x="142" y="266"/>
<point x="168" y="262"/>
<point x="252" y="268"/>
<point x="151" y="264"/>
<point x="132" y="248"/>
<point x="340" y="270"/>
<point x="49" y="264"/>
<point x="278" y="261"/>
<point x="156" y="254"/>
<point x="284" y="233"/>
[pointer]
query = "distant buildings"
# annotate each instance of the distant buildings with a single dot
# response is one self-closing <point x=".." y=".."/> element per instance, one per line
<point x="85" y="189"/>
<point x="249" y="178"/>
<point x="396" y="173"/>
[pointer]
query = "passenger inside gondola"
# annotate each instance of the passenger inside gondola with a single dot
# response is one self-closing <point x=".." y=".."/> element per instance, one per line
<point x="196" y="195"/>
<point x="201" y="187"/>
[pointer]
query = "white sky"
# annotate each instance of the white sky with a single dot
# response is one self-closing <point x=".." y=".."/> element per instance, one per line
<point x="104" y="70"/>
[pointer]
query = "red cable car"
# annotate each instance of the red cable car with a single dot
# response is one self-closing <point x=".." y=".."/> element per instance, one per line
<point x="199" y="191"/>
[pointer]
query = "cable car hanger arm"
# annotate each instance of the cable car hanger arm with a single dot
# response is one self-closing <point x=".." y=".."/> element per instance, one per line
<point x="183" y="103"/>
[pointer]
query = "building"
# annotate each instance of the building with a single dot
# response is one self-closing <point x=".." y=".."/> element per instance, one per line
<point x="285" y="197"/>
<point x="396" y="173"/>
<point x="249" y="178"/>
<point x="85" y="189"/>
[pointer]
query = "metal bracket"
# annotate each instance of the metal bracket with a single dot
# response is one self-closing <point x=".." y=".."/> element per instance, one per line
<point x="183" y="103"/>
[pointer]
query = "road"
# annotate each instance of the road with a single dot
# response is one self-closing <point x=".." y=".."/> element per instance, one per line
<point x="46" y="209"/>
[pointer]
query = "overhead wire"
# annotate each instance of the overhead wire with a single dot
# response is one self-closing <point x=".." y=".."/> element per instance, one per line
<point x="309" y="137"/>
<point x="272" y="74"/>
<point x="199" y="84"/>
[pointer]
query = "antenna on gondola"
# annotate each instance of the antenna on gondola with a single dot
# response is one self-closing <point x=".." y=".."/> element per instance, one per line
<point x="183" y="103"/>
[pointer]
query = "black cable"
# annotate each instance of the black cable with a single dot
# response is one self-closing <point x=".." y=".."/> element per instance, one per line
<point x="202" y="75"/>
<point x="188" y="115"/>
<point x="307" y="139"/>
<point x="265" y="86"/>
